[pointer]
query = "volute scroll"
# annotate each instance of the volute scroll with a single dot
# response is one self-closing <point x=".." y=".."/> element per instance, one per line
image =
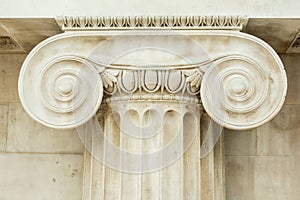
<point x="241" y="80"/>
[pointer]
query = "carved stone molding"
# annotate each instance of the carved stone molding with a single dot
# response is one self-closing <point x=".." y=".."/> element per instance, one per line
<point x="7" y="42"/>
<point x="152" y="81"/>
<point x="242" y="80"/>
<point x="153" y="22"/>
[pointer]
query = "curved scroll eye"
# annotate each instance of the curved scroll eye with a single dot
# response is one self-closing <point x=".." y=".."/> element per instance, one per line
<point x="238" y="86"/>
<point x="65" y="87"/>
<point x="238" y="93"/>
<point x="65" y="93"/>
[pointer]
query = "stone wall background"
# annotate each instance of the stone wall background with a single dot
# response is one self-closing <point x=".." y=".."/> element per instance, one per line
<point x="41" y="163"/>
<point x="264" y="163"/>
<point x="35" y="162"/>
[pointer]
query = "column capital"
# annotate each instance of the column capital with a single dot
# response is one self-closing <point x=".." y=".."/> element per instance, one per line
<point x="238" y="78"/>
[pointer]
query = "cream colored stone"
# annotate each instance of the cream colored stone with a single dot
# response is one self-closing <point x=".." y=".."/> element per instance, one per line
<point x="28" y="32"/>
<point x="274" y="172"/>
<point x="240" y="183"/>
<point x="219" y="170"/>
<point x="93" y="179"/>
<point x="243" y="103"/>
<point x="26" y="135"/>
<point x="3" y="126"/>
<point x="277" y="32"/>
<point x="10" y="65"/>
<point x="263" y="177"/>
<point x="281" y="135"/>
<point x="213" y="173"/>
<point x="238" y="143"/>
<point x="159" y="22"/>
<point x="291" y="62"/>
<point x="263" y="8"/>
<point x="40" y="176"/>
<point x="179" y="179"/>
<point x="243" y="85"/>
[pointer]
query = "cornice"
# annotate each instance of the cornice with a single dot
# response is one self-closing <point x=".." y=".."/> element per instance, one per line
<point x="80" y="23"/>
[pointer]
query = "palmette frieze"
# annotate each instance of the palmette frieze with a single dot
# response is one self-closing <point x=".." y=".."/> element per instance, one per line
<point x="70" y="23"/>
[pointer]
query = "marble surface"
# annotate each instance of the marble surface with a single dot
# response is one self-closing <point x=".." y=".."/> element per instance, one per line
<point x="262" y="177"/>
<point x="243" y="88"/>
<point x="26" y="135"/>
<point x="3" y="126"/>
<point x="52" y="160"/>
<point x="10" y="66"/>
<point x="243" y="101"/>
<point x="262" y="163"/>
<point x="41" y="176"/>
<point x="263" y="8"/>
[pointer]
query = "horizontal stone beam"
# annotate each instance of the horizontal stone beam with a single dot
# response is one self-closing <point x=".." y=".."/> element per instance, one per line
<point x="262" y="8"/>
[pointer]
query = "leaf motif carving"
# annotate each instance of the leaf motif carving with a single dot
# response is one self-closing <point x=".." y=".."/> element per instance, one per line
<point x="193" y="76"/>
<point x="109" y="77"/>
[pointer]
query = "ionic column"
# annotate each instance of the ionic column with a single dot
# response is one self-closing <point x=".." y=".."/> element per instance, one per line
<point x="149" y="105"/>
<point x="151" y="135"/>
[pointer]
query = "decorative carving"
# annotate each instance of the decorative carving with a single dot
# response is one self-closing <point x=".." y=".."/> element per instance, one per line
<point x="155" y="97"/>
<point x="194" y="77"/>
<point x="237" y="92"/>
<point x="7" y="42"/>
<point x="109" y="77"/>
<point x="294" y="46"/>
<point x="296" y="43"/>
<point x="130" y="79"/>
<point x="69" y="90"/>
<point x="151" y="81"/>
<point x="156" y="22"/>
<point x="240" y="90"/>
<point x="160" y="102"/>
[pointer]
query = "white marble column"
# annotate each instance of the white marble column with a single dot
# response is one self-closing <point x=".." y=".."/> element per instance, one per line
<point x="149" y="105"/>
<point x="166" y="164"/>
